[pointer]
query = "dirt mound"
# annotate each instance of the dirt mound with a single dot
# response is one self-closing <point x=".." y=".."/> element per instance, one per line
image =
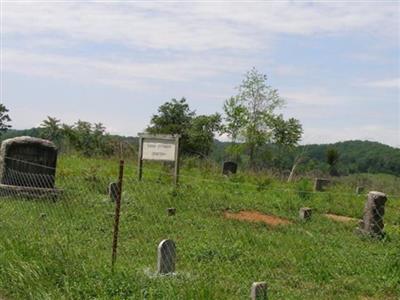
<point x="339" y="218"/>
<point x="255" y="216"/>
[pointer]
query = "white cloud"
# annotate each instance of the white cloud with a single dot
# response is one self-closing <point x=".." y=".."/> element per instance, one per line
<point x="371" y="132"/>
<point x="120" y="73"/>
<point x="194" y="26"/>
<point x="313" y="97"/>
<point x="186" y="40"/>
<point x="383" y="83"/>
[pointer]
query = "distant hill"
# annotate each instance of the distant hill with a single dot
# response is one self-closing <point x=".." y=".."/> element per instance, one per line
<point x="355" y="156"/>
<point x="358" y="156"/>
<point x="11" y="133"/>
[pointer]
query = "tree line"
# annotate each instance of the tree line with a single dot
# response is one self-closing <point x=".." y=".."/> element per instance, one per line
<point x="259" y="137"/>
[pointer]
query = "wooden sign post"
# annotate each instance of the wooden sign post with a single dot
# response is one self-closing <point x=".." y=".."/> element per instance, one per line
<point x="159" y="147"/>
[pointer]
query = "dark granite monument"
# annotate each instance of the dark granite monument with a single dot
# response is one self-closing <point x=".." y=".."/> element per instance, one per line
<point x="28" y="162"/>
<point x="229" y="168"/>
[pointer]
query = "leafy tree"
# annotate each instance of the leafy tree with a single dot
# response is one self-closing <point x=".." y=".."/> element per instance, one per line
<point x="197" y="132"/>
<point x="4" y="119"/>
<point x="250" y="116"/>
<point x="201" y="133"/>
<point x="332" y="158"/>
<point x="51" y="130"/>
<point x="173" y="118"/>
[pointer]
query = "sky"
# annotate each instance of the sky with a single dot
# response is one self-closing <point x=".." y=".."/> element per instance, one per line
<point x="336" y="63"/>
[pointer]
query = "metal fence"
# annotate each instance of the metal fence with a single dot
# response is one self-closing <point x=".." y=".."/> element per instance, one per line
<point x="60" y="237"/>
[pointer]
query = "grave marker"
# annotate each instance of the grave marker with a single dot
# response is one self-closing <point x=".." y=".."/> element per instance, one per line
<point x="320" y="184"/>
<point x="113" y="191"/>
<point x="258" y="291"/>
<point x="374" y="210"/>
<point x="359" y="190"/>
<point x="229" y="168"/>
<point x="171" y="211"/>
<point x="28" y="162"/>
<point x="166" y="257"/>
<point x="305" y="213"/>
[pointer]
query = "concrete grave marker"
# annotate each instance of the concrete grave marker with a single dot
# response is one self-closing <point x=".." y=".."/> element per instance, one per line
<point x="320" y="184"/>
<point x="171" y="211"/>
<point x="166" y="257"/>
<point x="258" y="291"/>
<point x="305" y="213"/>
<point x="374" y="210"/>
<point x="229" y="168"/>
<point x="359" y="190"/>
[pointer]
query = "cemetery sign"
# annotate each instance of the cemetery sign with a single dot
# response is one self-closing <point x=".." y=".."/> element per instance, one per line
<point x="159" y="147"/>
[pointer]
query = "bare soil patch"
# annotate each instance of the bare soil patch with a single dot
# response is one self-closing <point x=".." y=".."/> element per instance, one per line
<point x="255" y="216"/>
<point x="339" y="218"/>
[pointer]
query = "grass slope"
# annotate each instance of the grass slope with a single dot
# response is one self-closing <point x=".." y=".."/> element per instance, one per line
<point x="62" y="250"/>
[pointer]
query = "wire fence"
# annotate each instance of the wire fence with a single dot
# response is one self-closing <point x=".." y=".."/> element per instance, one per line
<point x="207" y="238"/>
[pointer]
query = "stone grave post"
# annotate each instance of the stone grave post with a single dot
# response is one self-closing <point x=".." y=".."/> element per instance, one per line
<point x="166" y="257"/>
<point x="258" y="291"/>
<point x="374" y="210"/>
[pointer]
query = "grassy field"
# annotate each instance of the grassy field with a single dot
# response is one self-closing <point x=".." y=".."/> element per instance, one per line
<point x="62" y="250"/>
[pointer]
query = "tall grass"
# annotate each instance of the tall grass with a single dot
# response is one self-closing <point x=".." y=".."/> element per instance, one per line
<point x="62" y="249"/>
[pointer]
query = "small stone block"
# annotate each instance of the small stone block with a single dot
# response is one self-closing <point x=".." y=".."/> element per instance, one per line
<point x="359" y="190"/>
<point x="171" y="211"/>
<point x="166" y="253"/>
<point x="320" y="184"/>
<point x="305" y="213"/>
<point x="258" y="291"/>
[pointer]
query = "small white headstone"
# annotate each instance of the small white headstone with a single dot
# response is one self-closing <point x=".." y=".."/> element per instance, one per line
<point x="258" y="291"/>
<point x="166" y="253"/>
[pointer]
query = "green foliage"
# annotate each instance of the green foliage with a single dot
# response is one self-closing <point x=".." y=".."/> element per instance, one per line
<point x="250" y="116"/>
<point x="173" y="118"/>
<point x="4" y="119"/>
<point x="355" y="157"/>
<point x="197" y="132"/>
<point x="332" y="158"/>
<point x="304" y="189"/>
<point x="52" y="130"/>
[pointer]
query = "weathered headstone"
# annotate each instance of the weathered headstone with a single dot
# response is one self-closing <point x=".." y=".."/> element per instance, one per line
<point x="258" y="291"/>
<point x="320" y="184"/>
<point x="374" y="210"/>
<point x="171" y="211"/>
<point x="113" y="191"/>
<point x="359" y="190"/>
<point x="166" y="256"/>
<point x="305" y="213"/>
<point x="229" y="167"/>
<point x="28" y="162"/>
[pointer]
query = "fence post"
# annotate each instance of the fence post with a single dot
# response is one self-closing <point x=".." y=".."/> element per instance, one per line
<point x="117" y="214"/>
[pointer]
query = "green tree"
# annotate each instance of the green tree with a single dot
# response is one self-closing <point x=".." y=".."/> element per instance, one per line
<point x="173" y="117"/>
<point x="200" y="133"/>
<point x="51" y="130"/>
<point x="250" y="116"/>
<point x="197" y="132"/>
<point x="4" y="119"/>
<point x="332" y="158"/>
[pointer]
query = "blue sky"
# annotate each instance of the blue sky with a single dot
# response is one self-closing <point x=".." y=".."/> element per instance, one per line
<point x="336" y="63"/>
